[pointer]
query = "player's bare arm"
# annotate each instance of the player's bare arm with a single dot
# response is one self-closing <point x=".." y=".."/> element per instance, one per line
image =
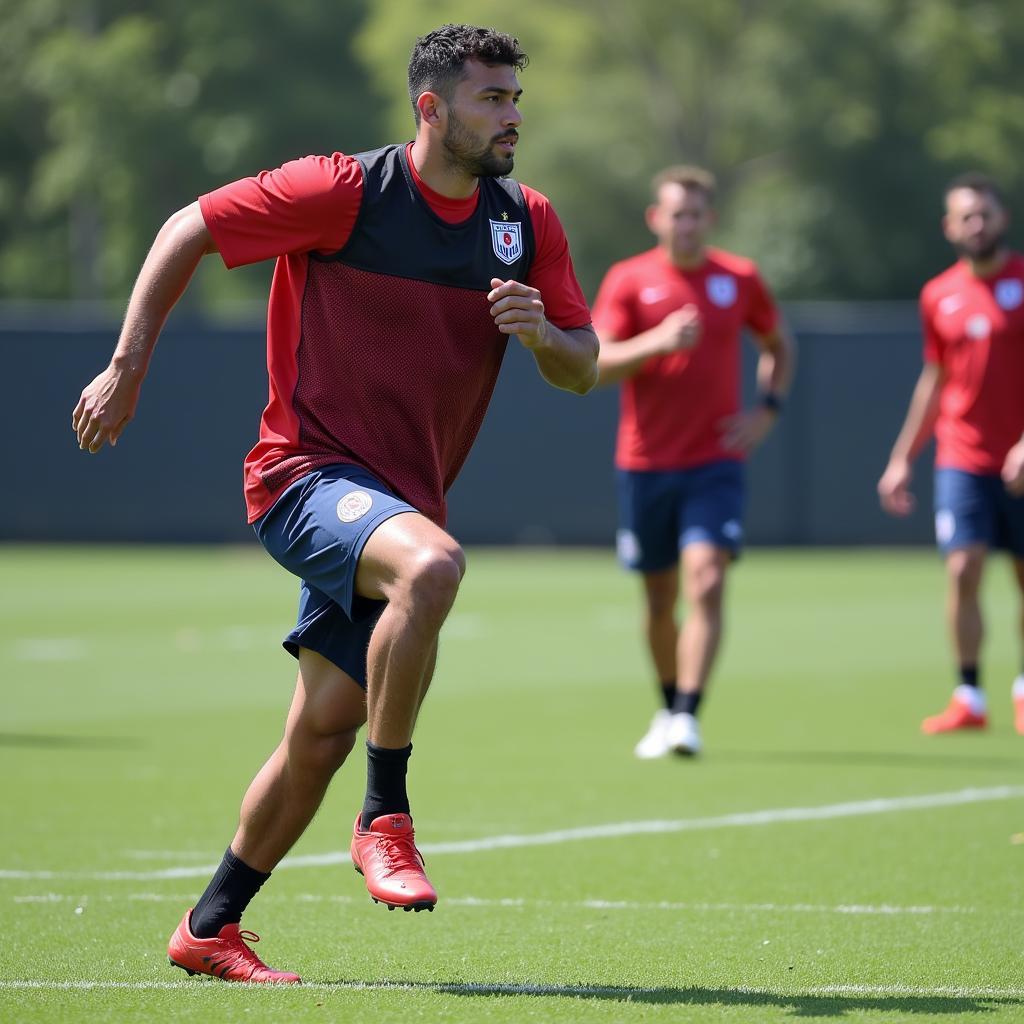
<point x="618" y="360"/>
<point x="747" y="429"/>
<point x="566" y="359"/>
<point x="894" y="486"/>
<point x="108" y="404"/>
<point x="1013" y="469"/>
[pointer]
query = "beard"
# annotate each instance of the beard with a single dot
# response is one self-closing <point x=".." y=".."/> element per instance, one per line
<point x="982" y="250"/>
<point x="465" y="151"/>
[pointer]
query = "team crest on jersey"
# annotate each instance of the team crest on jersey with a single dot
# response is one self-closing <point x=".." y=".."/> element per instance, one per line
<point x="507" y="239"/>
<point x="977" y="327"/>
<point x="354" y="506"/>
<point x="722" y="289"/>
<point x="1009" y="293"/>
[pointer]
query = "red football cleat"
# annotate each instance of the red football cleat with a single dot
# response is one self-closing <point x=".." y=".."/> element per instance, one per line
<point x="1018" y="714"/>
<point x="958" y="715"/>
<point x="386" y="856"/>
<point x="226" y="956"/>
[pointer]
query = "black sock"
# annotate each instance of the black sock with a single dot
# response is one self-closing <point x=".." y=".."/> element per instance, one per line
<point x="385" y="783"/>
<point x="668" y="691"/>
<point x="232" y="887"/>
<point x="686" y="703"/>
<point x="969" y="676"/>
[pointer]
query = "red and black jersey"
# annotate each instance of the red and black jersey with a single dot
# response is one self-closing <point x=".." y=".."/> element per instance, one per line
<point x="381" y="348"/>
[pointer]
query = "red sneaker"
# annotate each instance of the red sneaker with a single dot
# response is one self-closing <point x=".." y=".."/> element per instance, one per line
<point x="226" y="956"/>
<point x="386" y="856"/>
<point x="958" y="715"/>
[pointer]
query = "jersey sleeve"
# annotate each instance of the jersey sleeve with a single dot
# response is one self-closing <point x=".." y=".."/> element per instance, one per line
<point x="932" y="341"/>
<point x="307" y="205"/>
<point x="614" y="305"/>
<point x="551" y="271"/>
<point x="762" y="314"/>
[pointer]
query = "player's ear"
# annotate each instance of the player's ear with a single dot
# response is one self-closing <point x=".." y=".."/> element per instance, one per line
<point x="431" y="108"/>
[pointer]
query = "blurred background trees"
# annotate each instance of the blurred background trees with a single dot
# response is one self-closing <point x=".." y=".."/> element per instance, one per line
<point x="832" y="126"/>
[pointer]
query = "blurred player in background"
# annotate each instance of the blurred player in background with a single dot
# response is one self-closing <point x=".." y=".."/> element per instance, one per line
<point x="400" y="275"/>
<point x="669" y="321"/>
<point x="971" y="394"/>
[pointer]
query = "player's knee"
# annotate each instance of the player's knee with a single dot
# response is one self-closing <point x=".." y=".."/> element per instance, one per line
<point x="661" y="604"/>
<point x="706" y="586"/>
<point x="964" y="569"/>
<point x="433" y="578"/>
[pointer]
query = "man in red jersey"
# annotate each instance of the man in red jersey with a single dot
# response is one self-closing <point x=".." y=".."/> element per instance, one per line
<point x="971" y="394"/>
<point x="400" y="275"/>
<point x="669" y="321"/>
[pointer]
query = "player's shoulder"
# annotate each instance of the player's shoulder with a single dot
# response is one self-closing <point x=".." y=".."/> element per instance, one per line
<point x="949" y="280"/>
<point x="721" y="261"/>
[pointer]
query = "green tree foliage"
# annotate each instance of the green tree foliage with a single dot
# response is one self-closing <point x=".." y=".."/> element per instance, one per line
<point x="118" y="114"/>
<point x="832" y="126"/>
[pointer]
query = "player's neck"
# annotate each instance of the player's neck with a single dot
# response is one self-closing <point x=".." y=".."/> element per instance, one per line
<point x="986" y="268"/>
<point x="692" y="260"/>
<point x="438" y="174"/>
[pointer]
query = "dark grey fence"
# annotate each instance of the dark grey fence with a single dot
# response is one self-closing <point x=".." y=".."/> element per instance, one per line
<point x="540" y="472"/>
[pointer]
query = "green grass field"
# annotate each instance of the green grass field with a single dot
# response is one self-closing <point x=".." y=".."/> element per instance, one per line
<point x="822" y="861"/>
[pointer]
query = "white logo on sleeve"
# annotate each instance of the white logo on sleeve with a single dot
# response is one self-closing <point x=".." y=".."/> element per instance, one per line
<point x="1009" y="293"/>
<point x="950" y="304"/>
<point x="722" y="289"/>
<point x="507" y="239"/>
<point x="354" y="506"/>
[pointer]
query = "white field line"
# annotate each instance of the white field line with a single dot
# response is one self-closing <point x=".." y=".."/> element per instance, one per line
<point x="746" y="819"/>
<point x="624" y="993"/>
<point x="862" y="909"/>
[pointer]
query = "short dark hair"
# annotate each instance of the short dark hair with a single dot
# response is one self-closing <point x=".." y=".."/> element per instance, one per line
<point x="689" y="177"/>
<point x="438" y="58"/>
<point x="977" y="181"/>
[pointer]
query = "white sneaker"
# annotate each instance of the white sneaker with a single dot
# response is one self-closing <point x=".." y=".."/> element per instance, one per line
<point x="655" y="741"/>
<point x="684" y="734"/>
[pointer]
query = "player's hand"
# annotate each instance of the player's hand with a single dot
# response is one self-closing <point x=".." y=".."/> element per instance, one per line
<point x="680" y="329"/>
<point x="518" y="309"/>
<point x="746" y="430"/>
<point x="105" y="409"/>
<point x="894" y="489"/>
<point x="1013" y="470"/>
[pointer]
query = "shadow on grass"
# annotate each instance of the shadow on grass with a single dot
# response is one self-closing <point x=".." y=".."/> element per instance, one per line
<point x="949" y="761"/>
<point x="25" y="739"/>
<point x="805" y="1005"/>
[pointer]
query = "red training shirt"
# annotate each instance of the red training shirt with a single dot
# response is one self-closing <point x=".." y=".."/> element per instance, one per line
<point x="974" y="330"/>
<point x="671" y="410"/>
<point x="312" y="205"/>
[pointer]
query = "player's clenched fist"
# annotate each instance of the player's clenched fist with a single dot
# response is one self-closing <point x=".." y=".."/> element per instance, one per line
<point x="518" y="309"/>
<point x="680" y="329"/>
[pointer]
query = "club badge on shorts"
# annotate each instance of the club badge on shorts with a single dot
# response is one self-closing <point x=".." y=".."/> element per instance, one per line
<point x="722" y="289"/>
<point x="507" y="239"/>
<point x="354" y="506"/>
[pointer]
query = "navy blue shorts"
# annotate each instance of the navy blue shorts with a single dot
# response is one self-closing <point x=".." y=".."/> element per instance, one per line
<point x="660" y="512"/>
<point x="972" y="508"/>
<point x="317" y="529"/>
